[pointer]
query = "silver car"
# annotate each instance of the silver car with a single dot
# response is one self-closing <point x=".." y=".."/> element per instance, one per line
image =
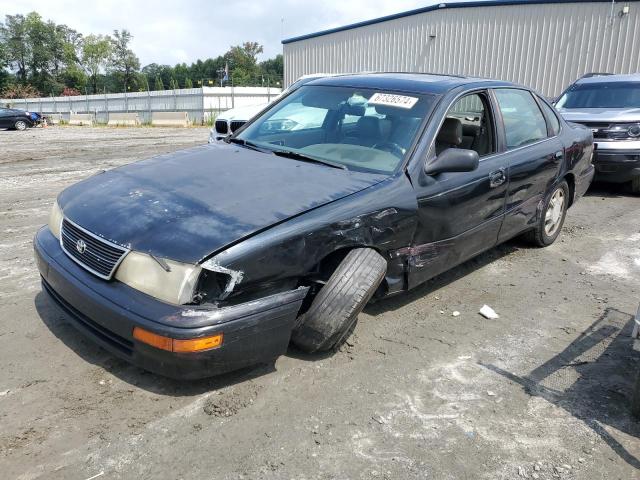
<point x="610" y="106"/>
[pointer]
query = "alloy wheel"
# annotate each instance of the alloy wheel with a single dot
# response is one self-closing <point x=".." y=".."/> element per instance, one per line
<point x="555" y="210"/>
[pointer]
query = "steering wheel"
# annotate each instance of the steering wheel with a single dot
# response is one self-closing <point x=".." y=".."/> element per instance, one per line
<point x="391" y="147"/>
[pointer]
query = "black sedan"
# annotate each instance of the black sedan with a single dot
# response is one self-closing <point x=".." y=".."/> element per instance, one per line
<point x="14" y="119"/>
<point x="214" y="258"/>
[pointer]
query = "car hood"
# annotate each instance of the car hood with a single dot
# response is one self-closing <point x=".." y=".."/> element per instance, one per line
<point x="189" y="204"/>
<point x="597" y="115"/>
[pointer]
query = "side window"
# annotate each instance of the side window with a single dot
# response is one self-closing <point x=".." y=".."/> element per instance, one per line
<point x="523" y="120"/>
<point x="552" y="116"/>
<point x="468" y="125"/>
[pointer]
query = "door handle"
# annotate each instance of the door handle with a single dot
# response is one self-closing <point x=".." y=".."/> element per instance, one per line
<point x="497" y="178"/>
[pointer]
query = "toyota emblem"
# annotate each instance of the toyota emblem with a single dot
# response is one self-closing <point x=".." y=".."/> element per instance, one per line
<point x="81" y="246"/>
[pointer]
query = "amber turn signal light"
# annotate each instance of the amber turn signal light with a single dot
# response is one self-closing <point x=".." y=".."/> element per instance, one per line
<point x="175" y="345"/>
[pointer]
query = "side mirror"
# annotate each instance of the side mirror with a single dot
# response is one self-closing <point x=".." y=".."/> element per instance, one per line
<point x="453" y="160"/>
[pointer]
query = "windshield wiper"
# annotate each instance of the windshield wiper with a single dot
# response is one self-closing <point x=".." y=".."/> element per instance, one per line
<point x="245" y="143"/>
<point x="305" y="158"/>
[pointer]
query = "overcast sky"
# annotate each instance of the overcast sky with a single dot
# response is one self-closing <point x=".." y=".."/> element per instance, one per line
<point x="174" y="31"/>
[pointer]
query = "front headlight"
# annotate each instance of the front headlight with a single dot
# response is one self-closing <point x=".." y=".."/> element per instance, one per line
<point x="634" y="130"/>
<point x="55" y="219"/>
<point x="172" y="282"/>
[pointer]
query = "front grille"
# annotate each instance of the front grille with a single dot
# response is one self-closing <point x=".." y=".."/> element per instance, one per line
<point x="222" y="127"/>
<point x="608" y="131"/>
<point x="95" y="254"/>
<point x="236" y="124"/>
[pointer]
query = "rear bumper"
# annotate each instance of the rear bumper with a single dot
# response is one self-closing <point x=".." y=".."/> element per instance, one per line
<point x="107" y="312"/>
<point x="583" y="181"/>
<point x="616" y="165"/>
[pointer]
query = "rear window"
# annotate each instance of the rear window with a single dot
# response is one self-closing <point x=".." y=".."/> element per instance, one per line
<point x="554" y="123"/>
<point x="602" y="95"/>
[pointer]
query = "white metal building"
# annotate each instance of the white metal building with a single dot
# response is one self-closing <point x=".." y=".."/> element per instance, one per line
<point x="544" y="44"/>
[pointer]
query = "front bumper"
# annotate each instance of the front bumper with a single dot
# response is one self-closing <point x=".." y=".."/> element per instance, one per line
<point x="617" y="162"/>
<point x="107" y="312"/>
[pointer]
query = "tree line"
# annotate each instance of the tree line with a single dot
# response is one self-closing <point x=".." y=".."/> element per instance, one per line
<point x="42" y="58"/>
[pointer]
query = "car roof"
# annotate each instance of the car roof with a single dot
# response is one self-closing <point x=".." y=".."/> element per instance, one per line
<point x="408" y="82"/>
<point x="632" y="77"/>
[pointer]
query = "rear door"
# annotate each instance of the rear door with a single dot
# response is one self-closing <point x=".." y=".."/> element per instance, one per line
<point x="534" y="153"/>
<point x="460" y="213"/>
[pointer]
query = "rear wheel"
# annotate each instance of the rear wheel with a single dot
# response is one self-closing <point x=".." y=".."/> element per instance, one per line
<point x="552" y="218"/>
<point x="334" y="311"/>
<point x="20" y="125"/>
<point x="635" y="185"/>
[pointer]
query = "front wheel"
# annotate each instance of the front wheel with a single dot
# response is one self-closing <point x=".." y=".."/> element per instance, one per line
<point x="552" y="217"/>
<point x="334" y="311"/>
<point x="20" y="125"/>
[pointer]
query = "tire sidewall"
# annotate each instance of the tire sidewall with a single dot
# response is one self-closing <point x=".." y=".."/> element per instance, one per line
<point x="549" y="239"/>
<point x="20" y="125"/>
<point x="334" y="310"/>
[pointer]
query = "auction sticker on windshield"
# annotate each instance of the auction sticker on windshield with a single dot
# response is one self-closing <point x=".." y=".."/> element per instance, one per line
<point x="392" y="100"/>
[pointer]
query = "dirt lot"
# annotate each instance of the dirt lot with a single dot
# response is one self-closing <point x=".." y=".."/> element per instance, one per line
<point x="542" y="392"/>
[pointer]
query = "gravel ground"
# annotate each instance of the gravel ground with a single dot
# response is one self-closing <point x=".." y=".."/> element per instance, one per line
<point x="542" y="392"/>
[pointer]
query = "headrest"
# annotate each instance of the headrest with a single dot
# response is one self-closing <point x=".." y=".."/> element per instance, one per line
<point x="470" y="130"/>
<point x="369" y="126"/>
<point x="355" y="110"/>
<point x="450" y="132"/>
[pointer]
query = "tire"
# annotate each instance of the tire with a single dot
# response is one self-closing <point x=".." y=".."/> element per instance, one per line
<point x="552" y="217"/>
<point x="20" y="125"/>
<point x="334" y="311"/>
<point x="635" y="185"/>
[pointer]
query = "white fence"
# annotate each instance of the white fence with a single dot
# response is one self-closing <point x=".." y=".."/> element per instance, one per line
<point x="200" y="103"/>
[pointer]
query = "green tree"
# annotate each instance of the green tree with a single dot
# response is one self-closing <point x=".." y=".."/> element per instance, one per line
<point x="180" y="73"/>
<point x="143" y="83"/>
<point x="40" y="57"/>
<point x="188" y="83"/>
<point x="243" y="62"/>
<point x="272" y="70"/>
<point x="16" y="50"/>
<point x="173" y="84"/>
<point x="124" y="63"/>
<point x="4" y="63"/>
<point x="96" y="52"/>
<point x="73" y="76"/>
<point x="65" y="44"/>
<point x="158" y="83"/>
<point x="39" y="52"/>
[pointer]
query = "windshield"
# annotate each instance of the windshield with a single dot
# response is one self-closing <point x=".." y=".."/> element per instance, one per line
<point x="358" y="128"/>
<point x="602" y="95"/>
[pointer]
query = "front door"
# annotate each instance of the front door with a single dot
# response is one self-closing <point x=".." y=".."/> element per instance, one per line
<point x="460" y="213"/>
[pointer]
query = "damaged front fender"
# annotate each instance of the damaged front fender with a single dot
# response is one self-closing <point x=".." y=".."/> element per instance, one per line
<point x="283" y="257"/>
<point x="197" y="317"/>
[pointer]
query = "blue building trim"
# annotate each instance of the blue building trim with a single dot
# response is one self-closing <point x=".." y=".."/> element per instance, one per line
<point x="440" y="6"/>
